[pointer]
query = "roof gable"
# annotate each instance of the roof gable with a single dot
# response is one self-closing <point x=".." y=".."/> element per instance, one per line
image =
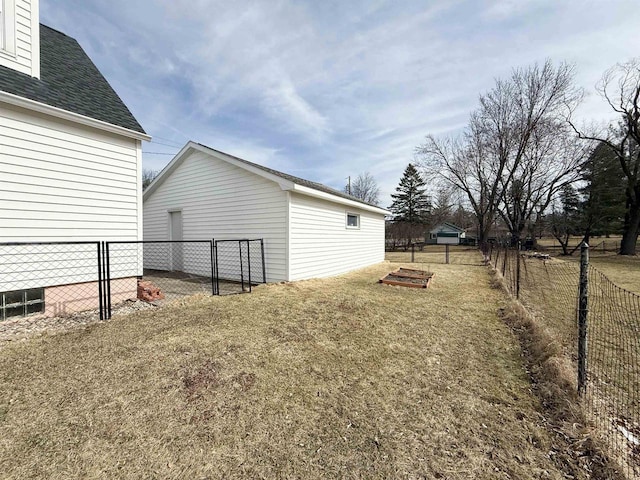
<point x="69" y="80"/>
<point x="447" y="227"/>
<point x="286" y="181"/>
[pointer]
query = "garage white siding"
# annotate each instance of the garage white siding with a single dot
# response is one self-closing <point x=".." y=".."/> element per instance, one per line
<point x="219" y="200"/>
<point x="321" y="245"/>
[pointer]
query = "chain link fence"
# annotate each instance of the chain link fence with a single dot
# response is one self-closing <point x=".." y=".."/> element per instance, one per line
<point x="53" y="279"/>
<point x="165" y="270"/>
<point x="49" y="278"/>
<point x="598" y="325"/>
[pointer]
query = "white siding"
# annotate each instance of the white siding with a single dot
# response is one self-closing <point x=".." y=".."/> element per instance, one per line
<point x="24" y="44"/>
<point x="320" y="243"/>
<point x="64" y="182"/>
<point x="221" y="201"/>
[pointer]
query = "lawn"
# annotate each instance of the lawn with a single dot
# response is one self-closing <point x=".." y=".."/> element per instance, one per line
<point x="624" y="271"/>
<point x="335" y="378"/>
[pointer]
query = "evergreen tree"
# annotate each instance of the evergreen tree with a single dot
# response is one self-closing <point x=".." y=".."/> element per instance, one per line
<point x="410" y="202"/>
<point x="603" y="206"/>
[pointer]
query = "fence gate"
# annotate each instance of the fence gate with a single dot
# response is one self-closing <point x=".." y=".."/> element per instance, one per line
<point x="157" y="270"/>
<point x="239" y="264"/>
<point x="166" y="270"/>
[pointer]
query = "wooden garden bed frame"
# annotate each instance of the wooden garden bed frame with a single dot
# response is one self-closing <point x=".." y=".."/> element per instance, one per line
<point x="408" y="277"/>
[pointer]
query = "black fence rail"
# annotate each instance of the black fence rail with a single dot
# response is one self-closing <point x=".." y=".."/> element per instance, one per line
<point x="50" y="279"/>
<point x="62" y="278"/>
<point x="598" y="325"/>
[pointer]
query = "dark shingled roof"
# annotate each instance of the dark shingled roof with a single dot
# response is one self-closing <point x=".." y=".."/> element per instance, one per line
<point x="297" y="180"/>
<point x="69" y="80"/>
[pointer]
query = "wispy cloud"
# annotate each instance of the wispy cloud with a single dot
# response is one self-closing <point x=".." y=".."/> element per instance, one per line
<point x="330" y="89"/>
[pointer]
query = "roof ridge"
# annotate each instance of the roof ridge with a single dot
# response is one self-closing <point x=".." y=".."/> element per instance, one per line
<point x="304" y="182"/>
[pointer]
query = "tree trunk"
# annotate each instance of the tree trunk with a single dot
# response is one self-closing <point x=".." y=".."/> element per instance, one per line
<point x="631" y="230"/>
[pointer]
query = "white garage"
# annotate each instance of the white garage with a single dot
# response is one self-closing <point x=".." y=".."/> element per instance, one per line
<point x="309" y="230"/>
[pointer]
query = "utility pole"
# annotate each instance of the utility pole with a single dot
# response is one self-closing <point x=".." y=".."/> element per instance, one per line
<point x="349" y="185"/>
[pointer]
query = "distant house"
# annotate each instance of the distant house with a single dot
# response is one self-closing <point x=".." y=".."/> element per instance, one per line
<point x="70" y="159"/>
<point x="309" y="230"/>
<point x="446" y="233"/>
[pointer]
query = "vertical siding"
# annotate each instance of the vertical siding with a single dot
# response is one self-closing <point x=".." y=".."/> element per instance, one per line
<point x="322" y="246"/>
<point x="64" y="182"/>
<point x="221" y="201"/>
<point x="26" y="41"/>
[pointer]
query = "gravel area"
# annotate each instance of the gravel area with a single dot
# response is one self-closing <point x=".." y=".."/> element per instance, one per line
<point x="22" y="328"/>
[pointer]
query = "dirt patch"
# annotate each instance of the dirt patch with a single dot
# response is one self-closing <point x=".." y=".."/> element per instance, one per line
<point x="205" y="379"/>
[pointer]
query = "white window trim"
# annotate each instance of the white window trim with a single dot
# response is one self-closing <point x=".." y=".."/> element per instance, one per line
<point x="346" y="220"/>
<point x="8" y="28"/>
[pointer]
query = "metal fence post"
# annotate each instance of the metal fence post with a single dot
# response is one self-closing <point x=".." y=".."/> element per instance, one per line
<point x="249" y="264"/>
<point x="108" y="281"/>
<point x="518" y="259"/>
<point x="213" y="280"/>
<point x="215" y="252"/>
<point x="100" y="281"/>
<point x="264" y="272"/>
<point x="446" y="253"/>
<point x="413" y="252"/>
<point x="505" y="260"/>
<point x="241" y="265"/>
<point x="583" y="311"/>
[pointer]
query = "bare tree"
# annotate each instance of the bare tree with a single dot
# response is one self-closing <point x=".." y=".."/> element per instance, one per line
<point x="515" y="154"/>
<point x="620" y="87"/>
<point x="365" y="188"/>
<point x="148" y="176"/>
<point x="551" y="161"/>
<point x="443" y="204"/>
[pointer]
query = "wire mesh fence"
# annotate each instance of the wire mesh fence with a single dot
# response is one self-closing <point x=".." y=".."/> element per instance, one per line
<point x="159" y="270"/>
<point x="605" y="352"/>
<point x="49" y="278"/>
<point x="61" y="278"/>
<point x="435" y="254"/>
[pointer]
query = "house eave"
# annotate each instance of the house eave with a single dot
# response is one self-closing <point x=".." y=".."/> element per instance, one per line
<point x="336" y="199"/>
<point x="28" y="104"/>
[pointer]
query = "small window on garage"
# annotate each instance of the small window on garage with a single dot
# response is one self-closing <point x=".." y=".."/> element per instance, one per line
<point x="353" y="220"/>
<point x="20" y="303"/>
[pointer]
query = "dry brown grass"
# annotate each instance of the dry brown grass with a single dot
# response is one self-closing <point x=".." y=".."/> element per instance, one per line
<point x="622" y="270"/>
<point x="337" y="378"/>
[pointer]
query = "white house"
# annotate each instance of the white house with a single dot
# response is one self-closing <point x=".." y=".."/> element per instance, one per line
<point x="309" y="230"/>
<point x="446" y="233"/>
<point x="70" y="159"/>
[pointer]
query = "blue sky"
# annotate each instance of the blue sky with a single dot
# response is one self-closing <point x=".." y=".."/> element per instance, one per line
<point x="327" y="89"/>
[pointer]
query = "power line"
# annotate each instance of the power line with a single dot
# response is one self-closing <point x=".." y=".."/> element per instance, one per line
<point x="165" y="144"/>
